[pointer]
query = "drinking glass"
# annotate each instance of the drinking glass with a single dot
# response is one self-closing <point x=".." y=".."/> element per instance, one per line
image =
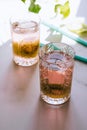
<point x="56" y="65"/>
<point x="25" y="34"/>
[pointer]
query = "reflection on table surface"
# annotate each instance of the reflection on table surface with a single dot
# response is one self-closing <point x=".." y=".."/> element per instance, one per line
<point x="21" y="106"/>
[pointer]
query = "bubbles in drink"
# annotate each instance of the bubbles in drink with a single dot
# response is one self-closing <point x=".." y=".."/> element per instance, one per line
<point x="25" y="39"/>
<point x="56" y="74"/>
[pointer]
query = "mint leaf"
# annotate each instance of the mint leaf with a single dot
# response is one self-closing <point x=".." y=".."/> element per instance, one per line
<point x="34" y="8"/>
<point x="57" y="6"/>
<point x="32" y="1"/>
<point x="65" y="9"/>
<point x="23" y="1"/>
<point x="81" y="31"/>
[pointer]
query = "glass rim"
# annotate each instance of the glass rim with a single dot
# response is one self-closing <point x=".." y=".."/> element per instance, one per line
<point x="25" y="18"/>
<point x="61" y="43"/>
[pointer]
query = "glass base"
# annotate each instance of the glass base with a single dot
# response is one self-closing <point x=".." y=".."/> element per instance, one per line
<point x="54" y="101"/>
<point x="25" y="61"/>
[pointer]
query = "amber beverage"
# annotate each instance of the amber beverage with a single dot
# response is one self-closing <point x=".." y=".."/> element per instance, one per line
<point x="56" y="71"/>
<point x="25" y="40"/>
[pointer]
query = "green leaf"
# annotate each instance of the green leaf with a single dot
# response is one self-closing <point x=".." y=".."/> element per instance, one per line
<point x="57" y="6"/>
<point x="23" y="1"/>
<point x="81" y="31"/>
<point x="34" y="8"/>
<point x="84" y="26"/>
<point x="65" y="9"/>
<point x="32" y="1"/>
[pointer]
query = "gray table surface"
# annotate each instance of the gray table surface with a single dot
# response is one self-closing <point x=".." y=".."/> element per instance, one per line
<point x="21" y="107"/>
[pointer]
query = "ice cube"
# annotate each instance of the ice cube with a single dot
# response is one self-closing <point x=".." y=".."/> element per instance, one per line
<point x="53" y="67"/>
<point x="56" y="77"/>
<point x="50" y="60"/>
<point x="57" y="56"/>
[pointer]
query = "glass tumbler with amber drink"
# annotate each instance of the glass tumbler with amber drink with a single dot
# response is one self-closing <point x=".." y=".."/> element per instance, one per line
<point x="25" y="34"/>
<point x="56" y="71"/>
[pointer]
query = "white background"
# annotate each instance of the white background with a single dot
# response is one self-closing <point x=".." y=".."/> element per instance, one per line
<point x="10" y="7"/>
